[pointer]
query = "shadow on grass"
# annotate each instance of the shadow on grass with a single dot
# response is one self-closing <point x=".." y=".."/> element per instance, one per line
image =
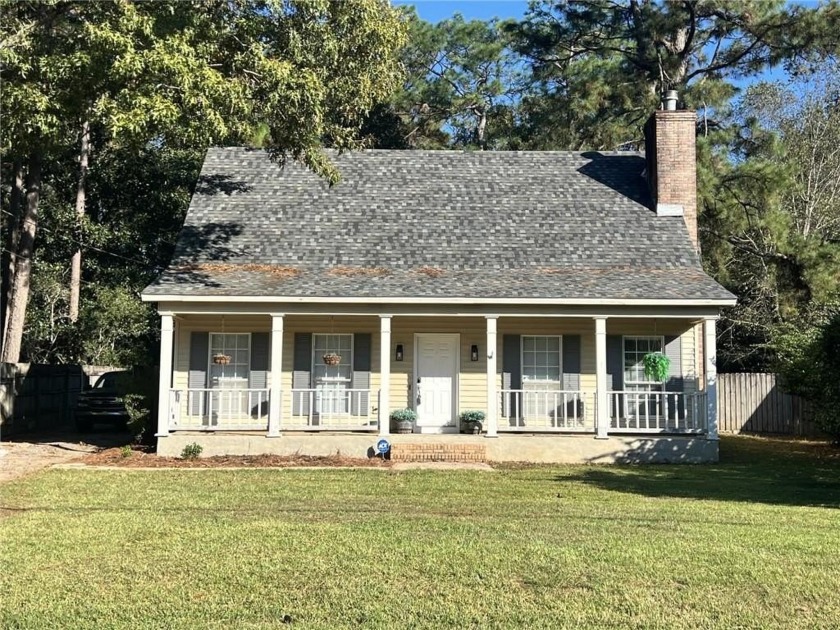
<point x="755" y="470"/>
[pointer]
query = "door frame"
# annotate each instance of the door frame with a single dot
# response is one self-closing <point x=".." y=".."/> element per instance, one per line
<point x="456" y="384"/>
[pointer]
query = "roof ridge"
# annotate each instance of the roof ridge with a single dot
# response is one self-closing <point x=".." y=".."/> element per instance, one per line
<point x="528" y="152"/>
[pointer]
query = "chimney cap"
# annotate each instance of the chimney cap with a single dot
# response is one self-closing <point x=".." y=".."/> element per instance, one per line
<point x="669" y="102"/>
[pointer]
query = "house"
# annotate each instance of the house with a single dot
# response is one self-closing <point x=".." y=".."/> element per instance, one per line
<point x="527" y="285"/>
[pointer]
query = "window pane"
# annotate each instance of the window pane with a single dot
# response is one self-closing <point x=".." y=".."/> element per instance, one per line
<point x="541" y="358"/>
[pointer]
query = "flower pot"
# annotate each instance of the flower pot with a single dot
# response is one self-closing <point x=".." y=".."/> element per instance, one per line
<point x="221" y="359"/>
<point x="332" y="359"/>
<point x="470" y="426"/>
<point x="405" y="426"/>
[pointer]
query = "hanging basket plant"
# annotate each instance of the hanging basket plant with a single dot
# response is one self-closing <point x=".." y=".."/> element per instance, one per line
<point x="657" y="366"/>
<point x="221" y="359"/>
<point x="331" y="358"/>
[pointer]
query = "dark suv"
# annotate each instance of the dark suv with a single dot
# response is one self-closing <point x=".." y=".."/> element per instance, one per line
<point x="102" y="404"/>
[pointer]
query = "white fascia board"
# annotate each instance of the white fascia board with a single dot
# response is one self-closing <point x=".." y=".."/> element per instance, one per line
<point x="250" y="299"/>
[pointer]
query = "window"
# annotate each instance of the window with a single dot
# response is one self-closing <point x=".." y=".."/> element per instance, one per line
<point x="541" y="371"/>
<point x="234" y="375"/>
<point x="635" y="349"/>
<point x="641" y="405"/>
<point x="332" y="381"/>
<point x="541" y="359"/>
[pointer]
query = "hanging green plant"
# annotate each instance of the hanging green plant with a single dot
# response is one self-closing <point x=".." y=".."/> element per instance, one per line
<point x="657" y="366"/>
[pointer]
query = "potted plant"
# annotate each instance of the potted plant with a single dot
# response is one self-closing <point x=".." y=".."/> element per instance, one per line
<point x="472" y="421"/>
<point x="656" y="366"/>
<point x="221" y="359"/>
<point x="332" y="358"/>
<point x="404" y="420"/>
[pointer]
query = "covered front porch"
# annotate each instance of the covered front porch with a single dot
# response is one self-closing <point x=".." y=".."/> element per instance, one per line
<point x="534" y="376"/>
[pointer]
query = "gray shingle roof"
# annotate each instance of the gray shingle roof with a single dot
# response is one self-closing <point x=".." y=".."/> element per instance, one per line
<point x="433" y="224"/>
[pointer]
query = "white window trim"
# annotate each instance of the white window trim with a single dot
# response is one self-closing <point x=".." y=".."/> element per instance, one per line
<point x="522" y="360"/>
<point x="625" y="382"/>
<point x="347" y="382"/>
<point x="210" y="356"/>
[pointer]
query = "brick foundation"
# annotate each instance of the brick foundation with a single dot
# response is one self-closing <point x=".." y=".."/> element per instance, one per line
<point x="438" y="452"/>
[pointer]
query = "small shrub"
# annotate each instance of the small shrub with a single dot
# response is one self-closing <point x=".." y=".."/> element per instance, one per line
<point x="403" y="415"/>
<point x="125" y="450"/>
<point x="472" y="416"/>
<point x="138" y="415"/>
<point x="191" y="451"/>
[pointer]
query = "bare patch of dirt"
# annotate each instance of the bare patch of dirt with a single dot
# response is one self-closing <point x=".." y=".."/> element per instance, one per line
<point x="23" y="458"/>
<point x="140" y="459"/>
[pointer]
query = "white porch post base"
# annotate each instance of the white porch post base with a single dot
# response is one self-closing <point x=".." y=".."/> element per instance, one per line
<point x="492" y="395"/>
<point x="710" y="359"/>
<point x="275" y="395"/>
<point x="602" y="401"/>
<point x="167" y="328"/>
<point x="384" y="374"/>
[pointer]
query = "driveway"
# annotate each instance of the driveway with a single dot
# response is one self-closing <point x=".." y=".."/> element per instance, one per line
<point x="26" y="454"/>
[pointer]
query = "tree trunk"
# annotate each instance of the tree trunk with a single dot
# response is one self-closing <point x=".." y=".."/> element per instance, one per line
<point x="23" y="264"/>
<point x="76" y="261"/>
<point x="12" y="221"/>
<point x="481" y="129"/>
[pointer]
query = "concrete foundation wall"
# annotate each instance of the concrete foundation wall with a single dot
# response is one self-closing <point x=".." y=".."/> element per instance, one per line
<point x="548" y="449"/>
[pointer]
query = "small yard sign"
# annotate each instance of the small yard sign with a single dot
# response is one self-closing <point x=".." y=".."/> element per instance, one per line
<point x="383" y="446"/>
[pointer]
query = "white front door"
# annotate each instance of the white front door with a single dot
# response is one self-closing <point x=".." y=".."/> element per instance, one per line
<point x="436" y="381"/>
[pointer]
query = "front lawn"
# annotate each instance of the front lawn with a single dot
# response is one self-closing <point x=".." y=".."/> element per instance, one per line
<point x="753" y="542"/>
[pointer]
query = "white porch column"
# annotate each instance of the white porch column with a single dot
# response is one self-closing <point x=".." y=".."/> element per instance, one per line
<point x="710" y="359"/>
<point x="602" y="400"/>
<point x="275" y="395"/>
<point x="384" y="374"/>
<point x="492" y="391"/>
<point x="167" y="328"/>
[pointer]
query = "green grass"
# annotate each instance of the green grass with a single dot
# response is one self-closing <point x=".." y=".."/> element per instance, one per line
<point x="753" y="542"/>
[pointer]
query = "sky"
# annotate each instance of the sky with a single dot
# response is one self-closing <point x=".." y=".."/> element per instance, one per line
<point x="437" y="10"/>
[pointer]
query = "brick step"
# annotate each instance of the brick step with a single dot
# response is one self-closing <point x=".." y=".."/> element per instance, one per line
<point x="438" y="452"/>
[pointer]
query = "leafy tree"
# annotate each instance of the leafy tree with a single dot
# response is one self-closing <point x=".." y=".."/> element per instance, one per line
<point x="770" y="224"/>
<point x="461" y="78"/>
<point x="184" y="74"/>
<point x="601" y="66"/>
<point x="809" y="361"/>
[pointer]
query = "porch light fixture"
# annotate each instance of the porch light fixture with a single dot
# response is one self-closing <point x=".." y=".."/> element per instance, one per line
<point x="473" y="353"/>
<point x="398" y="355"/>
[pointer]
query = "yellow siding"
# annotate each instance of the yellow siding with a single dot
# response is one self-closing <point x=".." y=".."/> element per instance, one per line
<point x="472" y="331"/>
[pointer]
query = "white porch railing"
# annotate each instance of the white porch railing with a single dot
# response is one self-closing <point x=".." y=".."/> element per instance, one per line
<point x="520" y="411"/>
<point x="657" y="412"/>
<point x="330" y="410"/>
<point x="546" y="410"/>
<point x="218" y="409"/>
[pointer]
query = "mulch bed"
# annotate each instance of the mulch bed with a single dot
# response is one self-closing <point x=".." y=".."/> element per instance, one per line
<point x="139" y="458"/>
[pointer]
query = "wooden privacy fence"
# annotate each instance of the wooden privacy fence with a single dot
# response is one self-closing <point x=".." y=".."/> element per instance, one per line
<point x="35" y="397"/>
<point x="757" y="403"/>
<point x="38" y="397"/>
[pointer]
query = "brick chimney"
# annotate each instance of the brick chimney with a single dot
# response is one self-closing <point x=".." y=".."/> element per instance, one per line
<point x="670" y="153"/>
